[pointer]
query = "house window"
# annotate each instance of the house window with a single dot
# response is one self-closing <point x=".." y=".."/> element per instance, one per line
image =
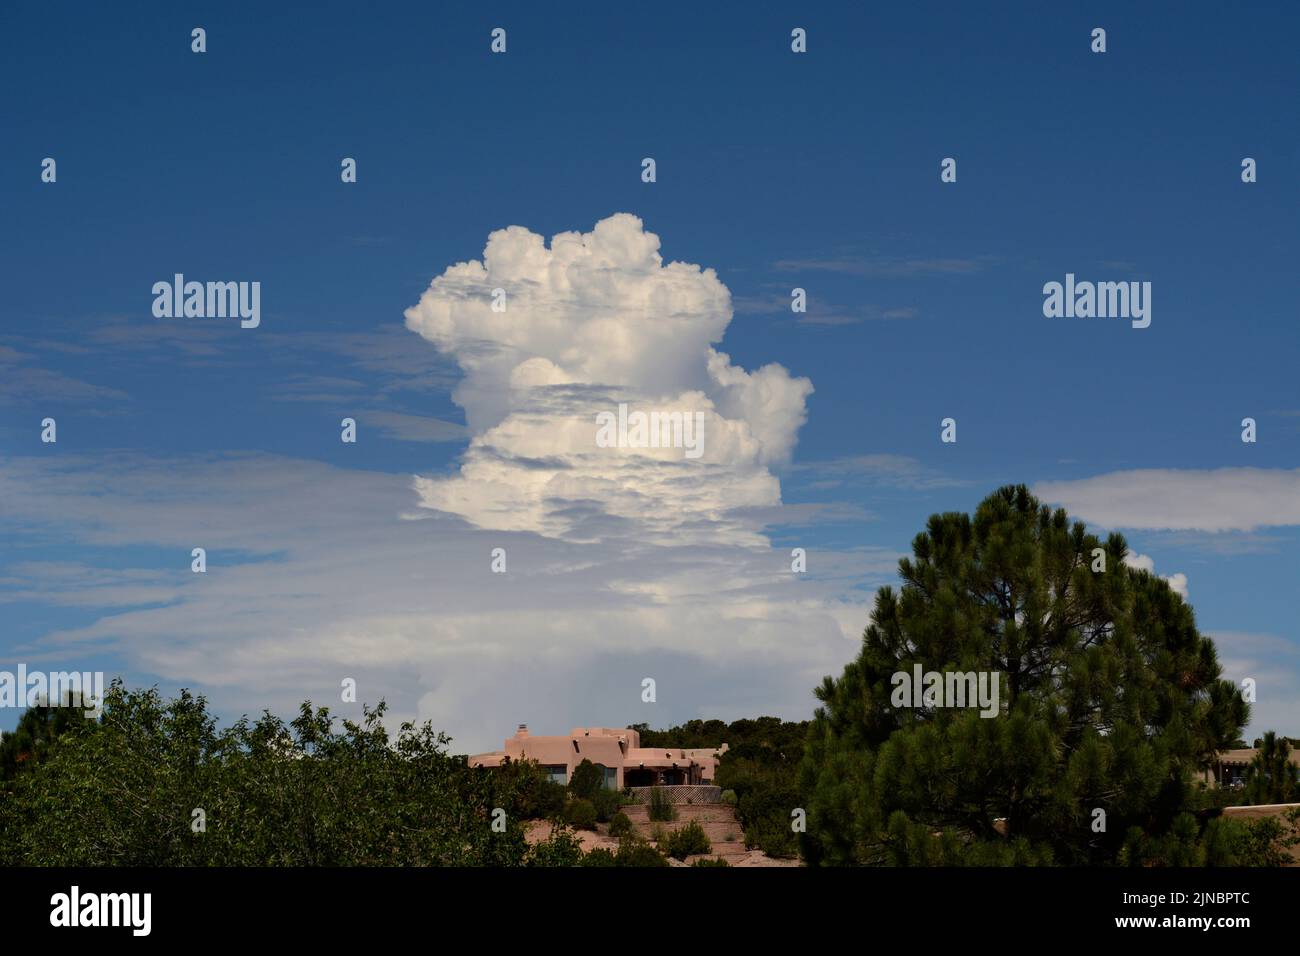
<point x="611" y="778"/>
<point x="559" y="773"/>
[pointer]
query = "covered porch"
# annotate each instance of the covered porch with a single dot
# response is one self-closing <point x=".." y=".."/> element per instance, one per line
<point x="656" y="776"/>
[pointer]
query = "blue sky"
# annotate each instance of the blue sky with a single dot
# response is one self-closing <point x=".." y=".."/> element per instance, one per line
<point x="775" y="170"/>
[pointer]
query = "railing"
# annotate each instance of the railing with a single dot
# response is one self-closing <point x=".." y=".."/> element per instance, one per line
<point x="680" y="794"/>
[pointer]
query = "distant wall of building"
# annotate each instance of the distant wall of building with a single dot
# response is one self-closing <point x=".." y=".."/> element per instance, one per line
<point x="617" y="750"/>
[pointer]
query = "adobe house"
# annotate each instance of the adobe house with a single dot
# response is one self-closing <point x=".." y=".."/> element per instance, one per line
<point x="1228" y="769"/>
<point x="617" y="751"/>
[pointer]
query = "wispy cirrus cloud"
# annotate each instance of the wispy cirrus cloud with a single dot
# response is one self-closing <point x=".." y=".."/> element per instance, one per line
<point x="23" y="381"/>
<point x="385" y="352"/>
<point x="415" y="428"/>
<point x="888" y="267"/>
<point x="820" y="312"/>
<point x="317" y="389"/>
<point x="1168" y="499"/>
<point x="878" y="470"/>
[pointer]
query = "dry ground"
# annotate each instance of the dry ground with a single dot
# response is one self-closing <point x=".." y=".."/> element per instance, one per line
<point x="716" y="819"/>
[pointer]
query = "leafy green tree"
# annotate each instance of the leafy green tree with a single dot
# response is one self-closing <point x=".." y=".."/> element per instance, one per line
<point x="155" y="783"/>
<point x="38" y="729"/>
<point x="524" y="789"/>
<point x="1110" y="699"/>
<point x="1271" y="776"/>
<point x="692" y="734"/>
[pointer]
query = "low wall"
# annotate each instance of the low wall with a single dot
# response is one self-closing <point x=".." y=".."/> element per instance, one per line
<point x="681" y="794"/>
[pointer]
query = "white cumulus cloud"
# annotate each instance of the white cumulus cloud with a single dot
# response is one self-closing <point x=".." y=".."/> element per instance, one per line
<point x="592" y="321"/>
<point x="1144" y="562"/>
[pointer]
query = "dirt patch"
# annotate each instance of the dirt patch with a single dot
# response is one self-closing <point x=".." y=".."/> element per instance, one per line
<point x="718" y="820"/>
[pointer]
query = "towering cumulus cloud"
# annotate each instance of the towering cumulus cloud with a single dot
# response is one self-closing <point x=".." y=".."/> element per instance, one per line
<point x="548" y="338"/>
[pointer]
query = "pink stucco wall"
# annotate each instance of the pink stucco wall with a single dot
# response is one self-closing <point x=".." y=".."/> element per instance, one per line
<point x="617" y="748"/>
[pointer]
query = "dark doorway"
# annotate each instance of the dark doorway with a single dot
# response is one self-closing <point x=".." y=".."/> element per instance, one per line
<point x="638" y="778"/>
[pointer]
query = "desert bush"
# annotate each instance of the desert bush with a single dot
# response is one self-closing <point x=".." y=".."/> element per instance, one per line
<point x="607" y="803"/>
<point x="633" y="852"/>
<point x="661" y="810"/>
<point x="686" y="841"/>
<point x="599" y="857"/>
<point x="580" y="814"/>
<point x="561" y="848"/>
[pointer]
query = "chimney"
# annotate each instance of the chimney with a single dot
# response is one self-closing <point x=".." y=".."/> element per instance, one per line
<point x="522" y="731"/>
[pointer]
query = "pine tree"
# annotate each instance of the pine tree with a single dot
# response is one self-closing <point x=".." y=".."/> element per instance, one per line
<point x="1271" y="776"/>
<point x="587" y="780"/>
<point x="1109" y="700"/>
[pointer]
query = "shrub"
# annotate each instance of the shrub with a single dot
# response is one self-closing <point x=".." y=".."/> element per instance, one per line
<point x="686" y="841"/>
<point x="661" y="811"/>
<point x="560" y="849"/>
<point x="659" y="835"/>
<point x="607" y="804"/>
<point x="599" y="857"/>
<point x="764" y="813"/>
<point x="547" y="801"/>
<point x="632" y="852"/>
<point x="711" y="861"/>
<point x="580" y="814"/>
<point x="1260" y="842"/>
<point x="729" y="797"/>
<point x="620" y="825"/>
